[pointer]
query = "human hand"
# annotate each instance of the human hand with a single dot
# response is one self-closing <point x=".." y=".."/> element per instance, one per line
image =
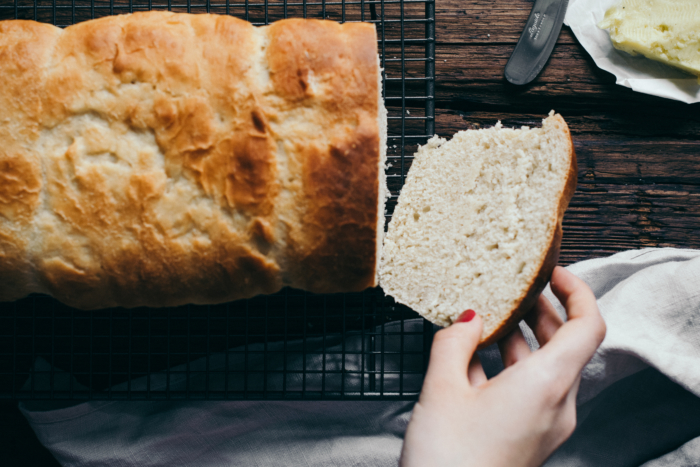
<point x="519" y="417"/>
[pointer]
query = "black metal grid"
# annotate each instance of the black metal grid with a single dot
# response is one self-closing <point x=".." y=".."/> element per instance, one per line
<point x="290" y="345"/>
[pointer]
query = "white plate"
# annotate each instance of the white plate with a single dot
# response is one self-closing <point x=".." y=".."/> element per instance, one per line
<point x="639" y="73"/>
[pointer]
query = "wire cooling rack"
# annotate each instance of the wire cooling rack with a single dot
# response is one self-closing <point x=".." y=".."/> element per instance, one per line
<point x="290" y="345"/>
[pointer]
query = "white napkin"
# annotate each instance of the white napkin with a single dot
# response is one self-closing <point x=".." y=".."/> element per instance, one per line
<point x="638" y="401"/>
<point x="639" y="73"/>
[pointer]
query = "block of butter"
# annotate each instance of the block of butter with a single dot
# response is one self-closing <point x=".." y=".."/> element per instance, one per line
<point x="664" y="30"/>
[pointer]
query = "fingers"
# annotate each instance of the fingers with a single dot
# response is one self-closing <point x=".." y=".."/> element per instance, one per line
<point x="573" y="345"/>
<point x="513" y="347"/>
<point x="544" y="320"/>
<point x="574" y="294"/>
<point x="452" y="350"/>
<point x="475" y="372"/>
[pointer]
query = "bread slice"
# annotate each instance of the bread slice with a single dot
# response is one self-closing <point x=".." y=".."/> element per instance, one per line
<point x="478" y="224"/>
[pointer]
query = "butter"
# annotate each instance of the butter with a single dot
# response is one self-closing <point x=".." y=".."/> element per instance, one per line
<point x="664" y="30"/>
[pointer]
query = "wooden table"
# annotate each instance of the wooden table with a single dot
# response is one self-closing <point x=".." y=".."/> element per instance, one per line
<point x="638" y="155"/>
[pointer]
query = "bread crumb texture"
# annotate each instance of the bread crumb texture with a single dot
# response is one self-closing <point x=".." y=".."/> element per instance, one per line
<point x="160" y="159"/>
<point x="475" y="220"/>
<point x="667" y="31"/>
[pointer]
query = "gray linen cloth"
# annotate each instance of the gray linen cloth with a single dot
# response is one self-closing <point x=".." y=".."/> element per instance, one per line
<point x="639" y="400"/>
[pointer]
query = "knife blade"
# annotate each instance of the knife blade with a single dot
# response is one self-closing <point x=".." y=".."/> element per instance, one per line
<point x="537" y="41"/>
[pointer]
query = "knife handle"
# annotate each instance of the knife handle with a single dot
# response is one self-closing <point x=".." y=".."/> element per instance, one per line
<point x="537" y="41"/>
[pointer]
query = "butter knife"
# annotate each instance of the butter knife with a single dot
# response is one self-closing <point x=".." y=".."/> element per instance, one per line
<point x="537" y="41"/>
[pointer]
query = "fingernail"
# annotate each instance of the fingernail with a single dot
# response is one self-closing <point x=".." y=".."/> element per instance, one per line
<point x="466" y="316"/>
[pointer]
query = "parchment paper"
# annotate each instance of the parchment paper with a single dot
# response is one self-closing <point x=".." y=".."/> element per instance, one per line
<point x="639" y="73"/>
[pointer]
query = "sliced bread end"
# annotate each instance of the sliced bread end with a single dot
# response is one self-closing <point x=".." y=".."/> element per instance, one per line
<point x="478" y="224"/>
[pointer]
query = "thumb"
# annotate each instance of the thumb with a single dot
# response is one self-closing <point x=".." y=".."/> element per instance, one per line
<point x="453" y="349"/>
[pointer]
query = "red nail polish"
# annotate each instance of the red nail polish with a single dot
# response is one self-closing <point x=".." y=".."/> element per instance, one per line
<point x="466" y="316"/>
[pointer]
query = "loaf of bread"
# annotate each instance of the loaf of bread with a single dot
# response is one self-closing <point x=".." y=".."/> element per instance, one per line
<point x="159" y="159"/>
<point x="478" y="224"/>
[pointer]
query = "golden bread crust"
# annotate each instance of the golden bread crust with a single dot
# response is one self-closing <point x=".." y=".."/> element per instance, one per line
<point x="160" y="159"/>
<point x="331" y="248"/>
